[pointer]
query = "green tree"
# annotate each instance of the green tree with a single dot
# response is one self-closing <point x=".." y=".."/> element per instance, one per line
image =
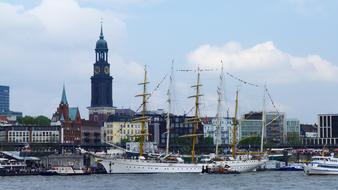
<point x="293" y="138"/>
<point x="255" y="140"/>
<point x="42" y="120"/>
<point x="27" y="120"/>
<point x="39" y="120"/>
<point x="183" y="143"/>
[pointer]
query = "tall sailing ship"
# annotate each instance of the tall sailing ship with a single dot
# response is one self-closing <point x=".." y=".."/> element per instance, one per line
<point x="235" y="164"/>
<point x="144" y="164"/>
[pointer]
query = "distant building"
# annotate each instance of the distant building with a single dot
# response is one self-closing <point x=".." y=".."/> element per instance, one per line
<point x="157" y="126"/>
<point x="225" y="136"/>
<point x="275" y="130"/>
<point x="292" y="130"/>
<point x="308" y="130"/>
<point x="179" y="126"/>
<point x="328" y="128"/>
<point x="25" y="134"/>
<point x="4" y="99"/>
<point x="3" y="120"/>
<point x="124" y="112"/>
<point x="101" y="106"/>
<point x="91" y="132"/>
<point x="121" y="127"/>
<point x="5" y="103"/>
<point x="18" y="134"/>
<point x="251" y="125"/>
<point x="70" y="120"/>
<point x="250" y="128"/>
<point x="253" y="116"/>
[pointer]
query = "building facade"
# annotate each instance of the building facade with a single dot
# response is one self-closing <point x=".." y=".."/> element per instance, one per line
<point x="275" y="130"/>
<point x="179" y="126"/>
<point x="292" y="130"/>
<point x="225" y="136"/>
<point x="70" y="120"/>
<point x="120" y="128"/>
<point x="27" y="134"/>
<point x="101" y="106"/>
<point x="308" y="130"/>
<point x="4" y="99"/>
<point x="251" y="125"/>
<point x="250" y="128"/>
<point x="91" y="132"/>
<point x="5" y="104"/>
<point x="328" y="128"/>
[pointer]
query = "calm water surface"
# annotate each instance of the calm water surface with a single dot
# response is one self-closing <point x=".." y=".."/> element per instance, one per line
<point x="250" y="181"/>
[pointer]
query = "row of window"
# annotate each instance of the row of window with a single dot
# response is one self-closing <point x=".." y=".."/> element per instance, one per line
<point x="18" y="140"/>
<point x="43" y="133"/>
<point x="18" y="133"/>
<point x="26" y="139"/>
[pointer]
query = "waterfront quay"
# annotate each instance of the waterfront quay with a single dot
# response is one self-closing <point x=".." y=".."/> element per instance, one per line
<point x="34" y="163"/>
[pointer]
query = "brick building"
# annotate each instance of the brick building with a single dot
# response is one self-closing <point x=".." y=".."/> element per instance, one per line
<point x="91" y="133"/>
<point x="70" y="120"/>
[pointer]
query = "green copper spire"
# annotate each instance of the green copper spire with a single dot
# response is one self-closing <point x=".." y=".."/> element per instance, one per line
<point x="64" y="97"/>
<point x="101" y="33"/>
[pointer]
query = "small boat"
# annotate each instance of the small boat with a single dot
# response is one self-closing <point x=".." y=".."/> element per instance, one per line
<point x="219" y="169"/>
<point x="292" y="167"/>
<point x="322" y="165"/>
<point x="64" y="170"/>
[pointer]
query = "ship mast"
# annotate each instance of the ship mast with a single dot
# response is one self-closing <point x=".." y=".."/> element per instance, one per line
<point x="234" y="130"/>
<point x="263" y="120"/>
<point x="218" y="124"/>
<point x="143" y="118"/>
<point x="196" y="119"/>
<point x="169" y="108"/>
<point x="218" y="115"/>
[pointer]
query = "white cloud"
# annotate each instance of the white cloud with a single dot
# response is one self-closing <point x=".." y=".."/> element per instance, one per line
<point x="52" y="43"/>
<point x="264" y="62"/>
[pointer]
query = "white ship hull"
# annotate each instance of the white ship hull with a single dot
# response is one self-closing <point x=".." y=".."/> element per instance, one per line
<point x="315" y="170"/>
<point x="321" y="165"/>
<point x="124" y="166"/>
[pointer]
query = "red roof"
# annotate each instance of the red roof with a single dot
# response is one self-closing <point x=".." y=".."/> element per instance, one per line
<point x="3" y="118"/>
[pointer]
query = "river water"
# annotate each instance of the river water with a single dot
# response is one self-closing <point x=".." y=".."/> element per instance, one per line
<point x="245" y="181"/>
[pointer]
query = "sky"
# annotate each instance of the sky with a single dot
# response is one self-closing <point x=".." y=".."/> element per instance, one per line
<point x="289" y="45"/>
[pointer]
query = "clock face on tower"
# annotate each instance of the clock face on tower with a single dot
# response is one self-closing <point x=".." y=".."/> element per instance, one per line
<point x="97" y="69"/>
<point x="106" y="70"/>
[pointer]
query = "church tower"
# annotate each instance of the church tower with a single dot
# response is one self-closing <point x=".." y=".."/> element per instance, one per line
<point x="101" y="84"/>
